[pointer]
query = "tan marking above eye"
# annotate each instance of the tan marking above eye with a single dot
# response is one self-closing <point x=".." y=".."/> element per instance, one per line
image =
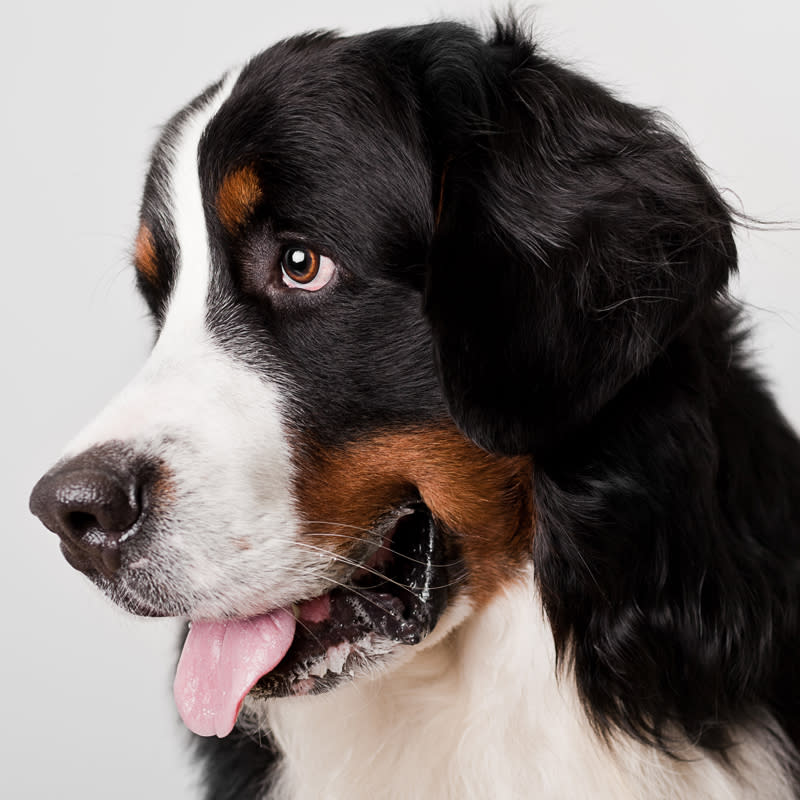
<point x="486" y="500"/>
<point x="144" y="255"/>
<point x="237" y="198"/>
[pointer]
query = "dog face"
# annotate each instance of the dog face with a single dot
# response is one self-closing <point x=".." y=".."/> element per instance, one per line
<point x="287" y="443"/>
<point x="386" y="280"/>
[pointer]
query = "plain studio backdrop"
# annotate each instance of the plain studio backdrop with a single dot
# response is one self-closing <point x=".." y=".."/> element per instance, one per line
<point x="86" y="705"/>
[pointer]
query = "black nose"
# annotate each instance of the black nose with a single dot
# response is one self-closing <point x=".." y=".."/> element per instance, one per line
<point x="92" y="502"/>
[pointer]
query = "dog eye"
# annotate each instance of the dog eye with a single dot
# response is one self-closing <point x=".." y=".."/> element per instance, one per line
<point x="303" y="268"/>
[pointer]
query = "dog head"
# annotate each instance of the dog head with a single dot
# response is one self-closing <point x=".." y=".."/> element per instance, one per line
<point x="388" y="274"/>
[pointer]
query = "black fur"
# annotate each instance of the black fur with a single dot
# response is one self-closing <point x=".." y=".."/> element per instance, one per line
<point x="592" y="223"/>
<point x="571" y="258"/>
<point x="576" y="288"/>
<point x="238" y="767"/>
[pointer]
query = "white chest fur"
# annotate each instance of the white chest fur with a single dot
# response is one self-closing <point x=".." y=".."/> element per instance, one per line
<point x="481" y="715"/>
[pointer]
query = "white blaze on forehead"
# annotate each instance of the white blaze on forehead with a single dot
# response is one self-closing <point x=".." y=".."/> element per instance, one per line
<point x="225" y="541"/>
<point x="187" y="306"/>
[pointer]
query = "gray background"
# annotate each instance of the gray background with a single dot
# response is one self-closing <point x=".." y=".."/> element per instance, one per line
<point x="86" y="701"/>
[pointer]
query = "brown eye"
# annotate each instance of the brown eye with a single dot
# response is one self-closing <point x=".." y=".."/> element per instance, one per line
<point x="300" y="264"/>
<point x="303" y="268"/>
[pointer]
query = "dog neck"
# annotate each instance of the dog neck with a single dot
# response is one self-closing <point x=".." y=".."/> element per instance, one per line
<point x="480" y="712"/>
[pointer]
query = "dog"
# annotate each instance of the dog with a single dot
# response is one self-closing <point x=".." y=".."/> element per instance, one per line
<point x="448" y="446"/>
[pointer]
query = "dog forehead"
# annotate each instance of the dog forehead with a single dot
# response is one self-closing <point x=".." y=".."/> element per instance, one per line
<point x="358" y="190"/>
<point x="336" y="147"/>
<point x="317" y="131"/>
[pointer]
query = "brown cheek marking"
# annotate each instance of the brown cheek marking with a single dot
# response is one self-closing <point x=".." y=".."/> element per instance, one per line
<point x="237" y="198"/>
<point x="485" y="499"/>
<point x="144" y="256"/>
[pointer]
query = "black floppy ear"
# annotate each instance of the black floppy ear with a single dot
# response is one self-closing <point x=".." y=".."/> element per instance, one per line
<point x="576" y="237"/>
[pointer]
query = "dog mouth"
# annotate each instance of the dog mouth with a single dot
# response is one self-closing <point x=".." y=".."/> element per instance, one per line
<point x="323" y="641"/>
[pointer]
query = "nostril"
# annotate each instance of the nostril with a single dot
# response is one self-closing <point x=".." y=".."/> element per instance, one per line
<point x="81" y="522"/>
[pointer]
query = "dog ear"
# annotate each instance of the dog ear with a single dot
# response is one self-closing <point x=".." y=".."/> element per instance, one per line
<point x="576" y="236"/>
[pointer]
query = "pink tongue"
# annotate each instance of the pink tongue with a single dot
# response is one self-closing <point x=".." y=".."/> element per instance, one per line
<point x="220" y="664"/>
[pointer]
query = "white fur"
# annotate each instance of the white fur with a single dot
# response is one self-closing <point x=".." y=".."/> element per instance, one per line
<point x="480" y="715"/>
<point x="227" y="526"/>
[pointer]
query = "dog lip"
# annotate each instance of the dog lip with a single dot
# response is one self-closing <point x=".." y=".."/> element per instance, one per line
<point x="355" y="624"/>
<point x="133" y="599"/>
